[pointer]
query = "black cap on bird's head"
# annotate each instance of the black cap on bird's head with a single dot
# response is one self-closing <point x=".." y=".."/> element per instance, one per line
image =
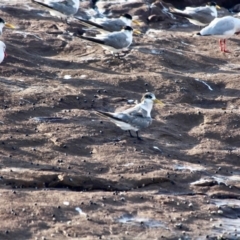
<point x="150" y="97"/>
<point x="126" y="15"/>
<point x="127" y="28"/>
<point x="214" y="4"/>
<point x="93" y="3"/>
<point x="2" y="21"/>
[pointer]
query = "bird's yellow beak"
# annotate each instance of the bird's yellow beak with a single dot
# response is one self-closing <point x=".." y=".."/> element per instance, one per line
<point x="136" y="22"/>
<point x="135" y="31"/>
<point x="218" y="7"/>
<point x="158" y="102"/>
<point x="8" y="25"/>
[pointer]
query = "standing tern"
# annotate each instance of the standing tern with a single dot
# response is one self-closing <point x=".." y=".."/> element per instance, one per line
<point x="222" y="28"/>
<point x="115" y="42"/>
<point x="200" y="16"/>
<point x="135" y="118"/>
<point x="60" y="8"/>
<point x="109" y="24"/>
<point x="4" y="24"/>
<point x="2" y="51"/>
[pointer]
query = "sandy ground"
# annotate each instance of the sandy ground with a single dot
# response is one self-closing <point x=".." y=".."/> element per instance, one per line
<point x="81" y="177"/>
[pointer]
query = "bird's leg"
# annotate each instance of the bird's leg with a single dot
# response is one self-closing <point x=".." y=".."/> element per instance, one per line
<point x="221" y="45"/>
<point x="224" y="47"/>
<point x="130" y="134"/>
<point x="138" y="136"/>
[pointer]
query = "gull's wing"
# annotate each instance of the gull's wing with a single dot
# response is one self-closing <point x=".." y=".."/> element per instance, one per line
<point x="136" y="121"/>
<point x="108" y="25"/>
<point x="194" y="9"/>
<point x="66" y="7"/>
<point x="201" y="14"/>
<point x="116" y="40"/>
<point x="204" y="16"/>
<point x="136" y="111"/>
<point x="112" y="25"/>
<point x="91" y="24"/>
<point x="219" y="26"/>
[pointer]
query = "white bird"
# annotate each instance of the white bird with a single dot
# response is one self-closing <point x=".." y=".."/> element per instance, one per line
<point x="2" y="51"/>
<point x="4" y="24"/>
<point x="60" y="8"/>
<point x="114" y="41"/>
<point x="135" y="118"/>
<point x="108" y="24"/>
<point x="200" y="16"/>
<point x="222" y="28"/>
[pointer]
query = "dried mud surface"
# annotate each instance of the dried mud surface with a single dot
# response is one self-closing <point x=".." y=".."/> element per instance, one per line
<point x="79" y="176"/>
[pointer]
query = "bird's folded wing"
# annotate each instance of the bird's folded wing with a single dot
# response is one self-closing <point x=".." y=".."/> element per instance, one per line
<point x="88" y="23"/>
<point x="113" y="25"/>
<point x="117" y="40"/>
<point x="136" y="111"/>
<point x="115" y="116"/>
<point x="218" y="27"/>
<point x="46" y="5"/>
<point x="96" y="40"/>
<point x="203" y="16"/>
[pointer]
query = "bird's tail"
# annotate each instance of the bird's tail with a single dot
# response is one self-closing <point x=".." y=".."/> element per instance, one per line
<point x="42" y="4"/>
<point x="88" y="23"/>
<point x="107" y="115"/>
<point x="178" y="12"/>
<point x="91" y="39"/>
<point x="91" y="25"/>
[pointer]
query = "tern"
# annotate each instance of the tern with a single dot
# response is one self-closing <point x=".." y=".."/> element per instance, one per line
<point x="200" y="16"/>
<point x="60" y="8"/>
<point x="2" y="51"/>
<point x="4" y="24"/>
<point x="109" y="24"/>
<point x="114" y="41"/>
<point x="135" y="118"/>
<point x="222" y="28"/>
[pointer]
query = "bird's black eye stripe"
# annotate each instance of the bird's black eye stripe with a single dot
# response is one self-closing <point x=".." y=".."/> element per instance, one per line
<point x="148" y="96"/>
<point x="212" y="4"/>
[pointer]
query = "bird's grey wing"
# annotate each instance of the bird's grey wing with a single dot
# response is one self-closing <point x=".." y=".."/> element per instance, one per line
<point x="137" y="111"/>
<point x="142" y="122"/>
<point x="117" y="40"/>
<point x="140" y="112"/>
<point x="219" y="28"/>
<point x="66" y="7"/>
<point x="137" y="120"/>
<point x="187" y="9"/>
<point x="203" y="15"/>
<point x="113" y="25"/>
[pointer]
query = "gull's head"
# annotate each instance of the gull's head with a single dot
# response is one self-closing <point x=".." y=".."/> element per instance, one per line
<point x="149" y="98"/>
<point x="127" y="19"/>
<point x="3" y="23"/>
<point x="213" y="5"/>
<point x="127" y="30"/>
